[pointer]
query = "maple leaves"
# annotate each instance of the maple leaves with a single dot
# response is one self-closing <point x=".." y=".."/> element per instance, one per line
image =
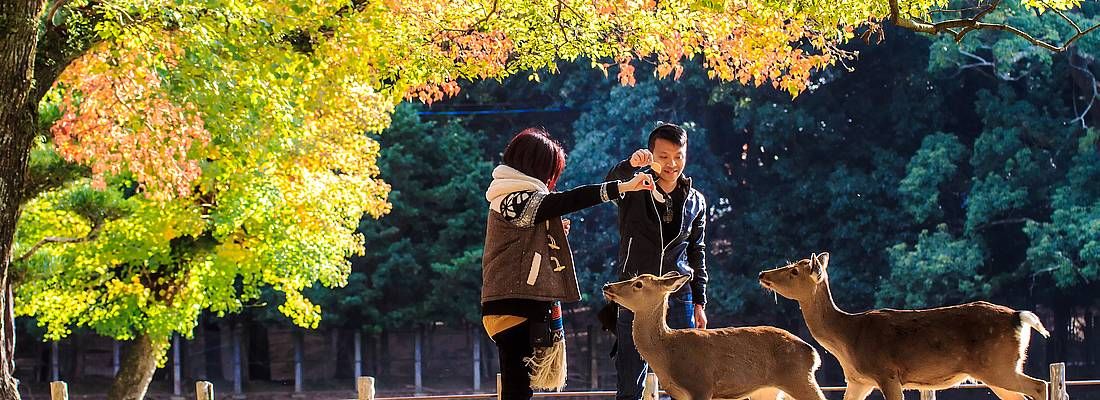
<point x="753" y="42"/>
<point x="116" y="118"/>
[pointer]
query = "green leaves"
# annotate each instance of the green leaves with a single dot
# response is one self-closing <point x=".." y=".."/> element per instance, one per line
<point x="938" y="270"/>
<point x="934" y="164"/>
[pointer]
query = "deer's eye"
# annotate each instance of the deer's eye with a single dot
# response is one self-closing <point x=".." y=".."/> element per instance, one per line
<point x="794" y="271"/>
<point x="637" y="285"/>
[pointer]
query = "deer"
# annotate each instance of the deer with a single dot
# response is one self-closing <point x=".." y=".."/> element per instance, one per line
<point x="758" y="363"/>
<point x="930" y="349"/>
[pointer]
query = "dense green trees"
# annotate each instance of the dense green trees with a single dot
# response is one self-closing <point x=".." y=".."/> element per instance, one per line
<point x="931" y="181"/>
<point x="935" y="173"/>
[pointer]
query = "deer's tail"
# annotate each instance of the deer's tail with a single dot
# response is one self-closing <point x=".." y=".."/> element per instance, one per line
<point x="1028" y="319"/>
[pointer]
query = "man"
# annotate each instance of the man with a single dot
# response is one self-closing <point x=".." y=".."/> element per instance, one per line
<point x="659" y="231"/>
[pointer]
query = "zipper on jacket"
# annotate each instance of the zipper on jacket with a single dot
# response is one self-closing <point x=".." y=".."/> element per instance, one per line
<point x="660" y="235"/>
<point x="661" y="230"/>
<point x="680" y="229"/>
<point x="629" y="242"/>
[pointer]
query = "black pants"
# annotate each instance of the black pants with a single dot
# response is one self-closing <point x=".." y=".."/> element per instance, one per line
<point x="514" y="344"/>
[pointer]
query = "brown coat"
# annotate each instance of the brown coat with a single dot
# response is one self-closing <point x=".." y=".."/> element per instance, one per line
<point x="532" y="262"/>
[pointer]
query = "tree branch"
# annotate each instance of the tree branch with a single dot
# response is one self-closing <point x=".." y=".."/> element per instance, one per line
<point x="54" y="239"/>
<point x="1092" y="99"/>
<point x="1008" y="221"/>
<point x="974" y="23"/>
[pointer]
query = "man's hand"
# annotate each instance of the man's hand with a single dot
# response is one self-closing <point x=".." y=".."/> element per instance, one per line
<point x="700" y="317"/>
<point x="641" y="158"/>
<point x="565" y="224"/>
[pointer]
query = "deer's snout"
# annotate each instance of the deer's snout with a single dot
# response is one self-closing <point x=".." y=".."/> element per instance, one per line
<point x="764" y="280"/>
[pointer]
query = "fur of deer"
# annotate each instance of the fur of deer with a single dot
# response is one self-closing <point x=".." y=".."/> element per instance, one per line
<point x="928" y="349"/>
<point x="727" y="363"/>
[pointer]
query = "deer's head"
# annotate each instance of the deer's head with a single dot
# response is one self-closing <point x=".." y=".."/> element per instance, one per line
<point x="644" y="292"/>
<point x="799" y="280"/>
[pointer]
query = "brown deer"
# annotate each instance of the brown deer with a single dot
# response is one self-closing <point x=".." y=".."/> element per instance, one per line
<point x="727" y="363"/>
<point x="928" y="349"/>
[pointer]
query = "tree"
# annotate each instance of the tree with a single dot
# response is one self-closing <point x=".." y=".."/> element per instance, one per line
<point x="283" y="219"/>
<point x="425" y="259"/>
<point x="265" y="78"/>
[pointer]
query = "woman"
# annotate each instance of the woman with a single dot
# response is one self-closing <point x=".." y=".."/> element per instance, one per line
<point x="527" y="267"/>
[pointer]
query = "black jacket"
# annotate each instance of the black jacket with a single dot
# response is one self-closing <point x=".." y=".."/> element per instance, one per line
<point x="641" y="249"/>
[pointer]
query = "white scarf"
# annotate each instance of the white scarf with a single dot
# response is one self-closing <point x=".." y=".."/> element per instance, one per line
<point x="509" y="180"/>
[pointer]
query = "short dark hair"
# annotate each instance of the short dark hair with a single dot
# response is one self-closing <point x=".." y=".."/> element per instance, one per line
<point x="670" y="132"/>
<point x="535" y="154"/>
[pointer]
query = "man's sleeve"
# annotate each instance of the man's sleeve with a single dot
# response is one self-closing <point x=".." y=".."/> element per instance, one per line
<point x="622" y="171"/>
<point x="696" y="254"/>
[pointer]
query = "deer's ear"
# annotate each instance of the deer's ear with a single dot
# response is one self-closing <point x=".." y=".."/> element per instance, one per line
<point x="674" y="282"/>
<point x="819" y="263"/>
<point x="670" y="274"/>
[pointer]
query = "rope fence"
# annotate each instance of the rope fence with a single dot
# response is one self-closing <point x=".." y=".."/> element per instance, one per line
<point x="365" y="388"/>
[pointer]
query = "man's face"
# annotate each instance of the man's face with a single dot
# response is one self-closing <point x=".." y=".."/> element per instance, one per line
<point x="671" y="157"/>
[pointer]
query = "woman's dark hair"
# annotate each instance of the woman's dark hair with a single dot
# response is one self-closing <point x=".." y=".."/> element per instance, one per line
<point x="535" y="154"/>
<point x="670" y="132"/>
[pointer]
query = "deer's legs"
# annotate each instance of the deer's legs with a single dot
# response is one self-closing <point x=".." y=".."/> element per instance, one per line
<point x="891" y="390"/>
<point x="805" y="391"/>
<point x="1005" y="394"/>
<point x="857" y="391"/>
<point x="768" y="393"/>
<point x="1016" y="382"/>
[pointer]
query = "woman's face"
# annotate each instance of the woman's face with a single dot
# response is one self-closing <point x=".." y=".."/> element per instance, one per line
<point x="672" y="158"/>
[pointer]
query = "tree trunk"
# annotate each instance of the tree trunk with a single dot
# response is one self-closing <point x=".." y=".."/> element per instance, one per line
<point x="18" y="112"/>
<point x="137" y="368"/>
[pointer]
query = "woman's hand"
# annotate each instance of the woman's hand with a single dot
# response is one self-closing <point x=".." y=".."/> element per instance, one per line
<point x="641" y="158"/>
<point x="639" y="182"/>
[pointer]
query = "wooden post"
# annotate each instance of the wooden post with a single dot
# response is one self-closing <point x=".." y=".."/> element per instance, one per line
<point x="358" y="353"/>
<point x="59" y="390"/>
<point x="238" y="389"/>
<point x="499" y="387"/>
<point x="115" y="351"/>
<point x="477" y="360"/>
<point x="418" y="378"/>
<point x="927" y="395"/>
<point x="55" y="364"/>
<point x="204" y="390"/>
<point x="1058" y="382"/>
<point x="177" y="376"/>
<point x="298" y="362"/>
<point x="594" y="365"/>
<point x="364" y="385"/>
<point x="650" y="391"/>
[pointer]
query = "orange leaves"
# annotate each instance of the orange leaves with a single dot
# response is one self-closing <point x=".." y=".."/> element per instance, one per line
<point x="116" y="118"/>
<point x="626" y="72"/>
<point x="754" y="49"/>
<point x="486" y="52"/>
<point x="429" y="93"/>
<point x="476" y="54"/>
<point x="668" y="60"/>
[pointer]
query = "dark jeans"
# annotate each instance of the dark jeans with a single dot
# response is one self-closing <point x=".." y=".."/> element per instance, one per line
<point x="514" y="344"/>
<point x="630" y="368"/>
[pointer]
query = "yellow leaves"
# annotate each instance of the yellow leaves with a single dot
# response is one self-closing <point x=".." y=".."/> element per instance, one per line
<point x="1042" y="6"/>
<point x="232" y="252"/>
